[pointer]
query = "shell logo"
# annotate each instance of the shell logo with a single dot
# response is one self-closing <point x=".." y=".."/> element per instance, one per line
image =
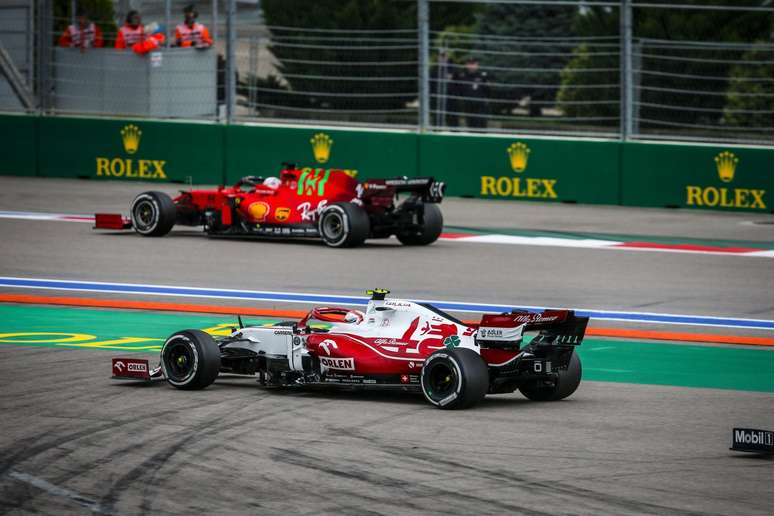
<point x="258" y="211"/>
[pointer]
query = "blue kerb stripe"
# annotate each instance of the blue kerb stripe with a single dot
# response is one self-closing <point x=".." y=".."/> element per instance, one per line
<point x="360" y="301"/>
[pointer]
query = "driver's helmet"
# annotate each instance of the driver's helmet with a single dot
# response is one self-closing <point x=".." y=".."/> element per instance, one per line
<point x="352" y="317"/>
<point x="272" y="182"/>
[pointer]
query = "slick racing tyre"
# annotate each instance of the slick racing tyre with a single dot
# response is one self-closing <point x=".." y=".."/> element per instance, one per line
<point x="566" y="384"/>
<point x="344" y="224"/>
<point x="428" y="231"/>
<point x="153" y="214"/>
<point x="190" y="360"/>
<point x="454" y="378"/>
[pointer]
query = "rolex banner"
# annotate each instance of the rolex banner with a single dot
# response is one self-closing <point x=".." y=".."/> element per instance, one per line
<point x="519" y="168"/>
<point x="702" y="176"/>
<point x="137" y="150"/>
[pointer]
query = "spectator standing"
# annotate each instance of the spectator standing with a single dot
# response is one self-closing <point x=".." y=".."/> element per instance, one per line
<point x="190" y="33"/>
<point x="83" y="34"/>
<point x="131" y="32"/>
<point x="471" y="89"/>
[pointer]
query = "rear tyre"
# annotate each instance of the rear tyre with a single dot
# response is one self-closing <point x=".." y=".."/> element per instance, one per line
<point x="190" y="360"/>
<point x="566" y="384"/>
<point x="454" y="378"/>
<point x="344" y="224"/>
<point x="153" y="214"/>
<point x="428" y="231"/>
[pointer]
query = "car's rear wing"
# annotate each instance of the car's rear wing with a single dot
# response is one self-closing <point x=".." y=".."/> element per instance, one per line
<point x="557" y="327"/>
<point x="427" y="187"/>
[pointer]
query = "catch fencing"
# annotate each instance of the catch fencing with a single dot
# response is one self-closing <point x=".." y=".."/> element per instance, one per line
<point x="613" y="82"/>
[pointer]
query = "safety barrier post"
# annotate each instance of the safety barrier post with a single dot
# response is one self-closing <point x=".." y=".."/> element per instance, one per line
<point x="423" y="22"/>
<point x="168" y="21"/>
<point x="230" y="60"/>
<point x="627" y="78"/>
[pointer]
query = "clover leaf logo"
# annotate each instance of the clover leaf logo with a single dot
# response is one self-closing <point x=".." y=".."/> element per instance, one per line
<point x="451" y="341"/>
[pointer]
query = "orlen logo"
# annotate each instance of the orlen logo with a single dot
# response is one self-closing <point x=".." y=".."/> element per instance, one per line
<point x="346" y="364"/>
<point x="138" y="368"/>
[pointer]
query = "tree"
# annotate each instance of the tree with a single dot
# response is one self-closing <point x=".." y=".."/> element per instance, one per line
<point x="591" y="67"/>
<point x="676" y="83"/>
<point x="532" y="61"/>
<point x="353" y="70"/>
<point x="581" y="94"/>
<point x="750" y="95"/>
<point x="685" y="84"/>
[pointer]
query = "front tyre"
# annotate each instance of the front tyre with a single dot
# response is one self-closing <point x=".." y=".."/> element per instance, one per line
<point x="190" y="360"/>
<point x="566" y="383"/>
<point x="428" y="230"/>
<point x="153" y="214"/>
<point x="454" y="378"/>
<point x="344" y="224"/>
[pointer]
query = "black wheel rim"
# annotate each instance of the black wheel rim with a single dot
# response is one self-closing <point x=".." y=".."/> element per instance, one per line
<point x="144" y="214"/>
<point x="179" y="361"/>
<point x="333" y="226"/>
<point x="441" y="380"/>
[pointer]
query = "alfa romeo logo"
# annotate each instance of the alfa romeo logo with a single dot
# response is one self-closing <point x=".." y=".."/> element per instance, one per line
<point x="451" y="341"/>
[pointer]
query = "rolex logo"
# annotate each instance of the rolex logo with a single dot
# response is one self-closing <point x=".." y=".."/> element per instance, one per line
<point x="726" y="163"/>
<point x="321" y="146"/>
<point x="519" y="154"/>
<point x="130" y="135"/>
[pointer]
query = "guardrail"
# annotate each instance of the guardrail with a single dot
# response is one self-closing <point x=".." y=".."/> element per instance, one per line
<point x="488" y="166"/>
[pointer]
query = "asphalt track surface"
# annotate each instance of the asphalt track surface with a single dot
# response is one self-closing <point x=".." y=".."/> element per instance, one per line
<point x="71" y="441"/>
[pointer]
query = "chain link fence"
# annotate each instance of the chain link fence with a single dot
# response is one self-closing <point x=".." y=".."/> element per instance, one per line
<point x="590" y="70"/>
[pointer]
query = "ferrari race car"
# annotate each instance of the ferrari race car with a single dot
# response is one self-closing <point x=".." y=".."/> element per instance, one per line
<point x="393" y="344"/>
<point x="309" y="202"/>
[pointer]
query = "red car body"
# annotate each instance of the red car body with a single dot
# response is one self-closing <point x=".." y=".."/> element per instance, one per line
<point x="301" y="202"/>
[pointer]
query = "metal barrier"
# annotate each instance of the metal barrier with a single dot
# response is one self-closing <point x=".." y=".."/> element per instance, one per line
<point x="597" y="68"/>
<point x="170" y="83"/>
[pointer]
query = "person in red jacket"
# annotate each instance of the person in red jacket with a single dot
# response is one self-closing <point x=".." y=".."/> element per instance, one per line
<point x="131" y="32"/>
<point x="83" y="34"/>
<point x="190" y="33"/>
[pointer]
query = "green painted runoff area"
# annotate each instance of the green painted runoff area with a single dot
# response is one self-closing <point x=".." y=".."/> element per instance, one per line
<point x="683" y="365"/>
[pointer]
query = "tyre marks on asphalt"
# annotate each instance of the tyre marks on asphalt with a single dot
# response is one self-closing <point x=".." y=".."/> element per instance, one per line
<point x="53" y="490"/>
<point x="594" y="501"/>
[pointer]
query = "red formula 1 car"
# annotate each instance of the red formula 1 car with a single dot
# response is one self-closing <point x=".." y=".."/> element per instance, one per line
<point x="309" y="202"/>
<point x="393" y="344"/>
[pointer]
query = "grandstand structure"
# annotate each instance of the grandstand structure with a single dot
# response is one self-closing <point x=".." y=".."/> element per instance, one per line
<point x="618" y="84"/>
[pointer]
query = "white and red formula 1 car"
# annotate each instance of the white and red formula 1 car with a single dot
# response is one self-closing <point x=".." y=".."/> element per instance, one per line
<point x="393" y="344"/>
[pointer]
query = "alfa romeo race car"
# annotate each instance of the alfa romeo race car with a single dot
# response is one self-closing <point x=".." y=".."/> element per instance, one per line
<point x="395" y="344"/>
<point x="308" y="202"/>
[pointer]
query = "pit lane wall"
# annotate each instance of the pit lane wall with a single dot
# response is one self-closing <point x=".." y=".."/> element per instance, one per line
<point x="492" y="166"/>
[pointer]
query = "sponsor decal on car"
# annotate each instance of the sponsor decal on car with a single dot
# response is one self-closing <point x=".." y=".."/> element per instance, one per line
<point x="258" y="211"/>
<point x="344" y="364"/>
<point x="451" y="342"/>
<point x="487" y="333"/>
<point x="282" y="214"/>
<point x="309" y="214"/>
<point x="130" y="368"/>
<point x="313" y="181"/>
